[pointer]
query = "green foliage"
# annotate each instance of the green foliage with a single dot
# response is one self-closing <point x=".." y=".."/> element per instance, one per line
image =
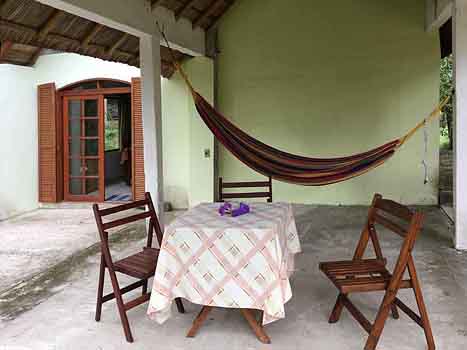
<point x="446" y="83"/>
<point x="112" y="139"/>
<point x="446" y="88"/>
<point x="444" y="142"/>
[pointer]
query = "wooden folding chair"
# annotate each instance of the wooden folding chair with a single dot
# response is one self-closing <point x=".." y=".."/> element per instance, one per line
<point x="367" y="275"/>
<point x="141" y="265"/>
<point x="238" y="195"/>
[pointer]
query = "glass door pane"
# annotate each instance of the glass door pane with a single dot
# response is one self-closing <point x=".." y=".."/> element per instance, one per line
<point x="74" y="137"/>
<point x="83" y="149"/>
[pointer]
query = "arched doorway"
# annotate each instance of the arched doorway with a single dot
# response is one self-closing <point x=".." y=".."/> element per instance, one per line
<point x="98" y="140"/>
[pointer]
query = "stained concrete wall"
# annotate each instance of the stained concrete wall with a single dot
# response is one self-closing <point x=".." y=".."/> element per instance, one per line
<point x="332" y="78"/>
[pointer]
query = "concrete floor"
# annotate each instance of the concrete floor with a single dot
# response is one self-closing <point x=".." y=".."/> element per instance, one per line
<point x="41" y="248"/>
<point x="39" y="239"/>
<point x="449" y="211"/>
<point x="64" y="319"/>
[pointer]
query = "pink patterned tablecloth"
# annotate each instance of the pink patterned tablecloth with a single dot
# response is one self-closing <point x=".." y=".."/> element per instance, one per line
<point x="242" y="262"/>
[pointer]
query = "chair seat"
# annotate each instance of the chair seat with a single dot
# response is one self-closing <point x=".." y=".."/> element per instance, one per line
<point x="140" y="265"/>
<point x="359" y="276"/>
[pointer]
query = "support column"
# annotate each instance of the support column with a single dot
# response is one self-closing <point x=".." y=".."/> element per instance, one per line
<point x="460" y="122"/>
<point x="150" y="58"/>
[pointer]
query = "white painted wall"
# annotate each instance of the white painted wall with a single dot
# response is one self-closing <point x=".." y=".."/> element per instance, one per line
<point x="18" y="141"/>
<point x="151" y="96"/>
<point x="66" y="68"/>
<point x="18" y="97"/>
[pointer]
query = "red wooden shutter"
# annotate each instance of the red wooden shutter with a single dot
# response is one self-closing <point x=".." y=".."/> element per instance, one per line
<point x="137" y="142"/>
<point x="47" y="127"/>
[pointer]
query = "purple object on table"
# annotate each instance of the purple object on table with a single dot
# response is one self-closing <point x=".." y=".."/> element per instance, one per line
<point x="226" y="208"/>
<point x="242" y="210"/>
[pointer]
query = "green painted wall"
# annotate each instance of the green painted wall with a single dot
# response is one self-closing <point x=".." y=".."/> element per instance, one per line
<point x="332" y="78"/>
<point x="200" y="70"/>
<point x="188" y="174"/>
<point x="175" y="142"/>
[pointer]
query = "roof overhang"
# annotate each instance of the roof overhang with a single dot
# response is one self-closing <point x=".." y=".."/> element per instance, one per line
<point x="109" y="30"/>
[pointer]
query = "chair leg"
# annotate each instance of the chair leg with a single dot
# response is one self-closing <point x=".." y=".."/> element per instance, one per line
<point x="180" y="307"/>
<point x="380" y="320"/>
<point x="145" y="287"/>
<point x="121" y="306"/>
<point x="421" y="305"/>
<point x="337" y="310"/>
<point x="395" y="312"/>
<point x="100" y="290"/>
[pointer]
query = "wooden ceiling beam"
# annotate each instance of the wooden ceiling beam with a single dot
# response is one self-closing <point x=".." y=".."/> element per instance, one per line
<point x="8" y="25"/>
<point x="183" y="8"/>
<point x="134" y="61"/>
<point x="46" y="37"/>
<point x="92" y="34"/>
<point x="32" y="61"/>
<point x="117" y="44"/>
<point x="216" y="21"/>
<point x="73" y="45"/>
<point x="207" y="12"/>
<point x="49" y="25"/>
<point x="4" y="49"/>
<point x="69" y="25"/>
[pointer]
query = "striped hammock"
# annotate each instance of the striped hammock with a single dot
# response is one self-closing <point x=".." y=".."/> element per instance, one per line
<point x="290" y="168"/>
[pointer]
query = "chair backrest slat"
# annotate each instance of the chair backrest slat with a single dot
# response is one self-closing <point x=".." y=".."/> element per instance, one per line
<point x="390" y="225"/>
<point x="126" y="220"/>
<point x="400" y="220"/>
<point x="395" y="209"/>
<point x="123" y="207"/>
<point x="392" y="215"/>
<point x="246" y="195"/>
<point x="150" y="212"/>
<point x="245" y="184"/>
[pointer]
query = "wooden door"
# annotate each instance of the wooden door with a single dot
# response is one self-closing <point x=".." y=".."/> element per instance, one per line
<point x="137" y="141"/>
<point x="84" y="148"/>
<point x="48" y="146"/>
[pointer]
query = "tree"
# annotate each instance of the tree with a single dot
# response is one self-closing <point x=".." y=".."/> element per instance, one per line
<point x="446" y="88"/>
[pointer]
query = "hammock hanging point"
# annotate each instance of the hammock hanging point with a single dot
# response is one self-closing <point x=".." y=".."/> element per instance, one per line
<point x="175" y="63"/>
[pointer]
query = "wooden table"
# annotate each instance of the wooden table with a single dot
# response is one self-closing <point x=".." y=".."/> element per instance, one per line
<point x="220" y="261"/>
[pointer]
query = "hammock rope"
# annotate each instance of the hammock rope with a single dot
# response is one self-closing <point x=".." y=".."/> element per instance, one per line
<point x="287" y="167"/>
